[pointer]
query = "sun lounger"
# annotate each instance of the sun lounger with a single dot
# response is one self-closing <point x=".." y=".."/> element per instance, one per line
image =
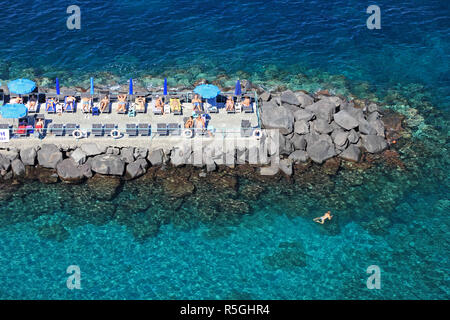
<point x="144" y="129"/>
<point x="108" y="128"/>
<point x="248" y="109"/>
<point x="154" y="109"/>
<point x="35" y="108"/>
<point x="86" y="107"/>
<point x="175" y="106"/>
<point x="246" y="128"/>
<point x="137" y="107"/>
<point x="131" y="130"/>
<point x="97" y="129"/>
<point x="57" y="129"/>
<point x="70" y="128"/>
<point x="174" y="129"/>
<point x="50" y="106"/>
<point x="162" y="129"/>
<point x="2" y="97"/>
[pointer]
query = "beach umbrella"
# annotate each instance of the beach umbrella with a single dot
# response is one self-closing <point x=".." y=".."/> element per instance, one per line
<point x="238" y="90"/>
<point x="165" y="86"/>
<point x="21" y="86"/>
<point x="131" y="87"/>
<point x="207" y="91"/>
<point x="92" y="86"/>
<point x="13" y="111"/>
<point x="57" y="87"/>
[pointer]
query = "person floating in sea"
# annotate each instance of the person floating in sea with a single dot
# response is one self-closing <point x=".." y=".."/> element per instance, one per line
<point x="322" y="219"/>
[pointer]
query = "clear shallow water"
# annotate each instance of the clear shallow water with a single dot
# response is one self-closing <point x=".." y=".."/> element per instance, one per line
<point x="304" y="44"/>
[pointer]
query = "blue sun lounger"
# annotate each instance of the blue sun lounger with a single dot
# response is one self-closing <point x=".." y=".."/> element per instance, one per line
<point x="69" y="107"/>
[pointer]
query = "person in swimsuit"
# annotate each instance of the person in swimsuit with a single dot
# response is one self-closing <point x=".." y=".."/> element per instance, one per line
<point x="189" y="123"/>
<point x="246" y="102"/>
<point x="70" y="101"/>
<point x="322" y="219"/>
<point x="122" y="103"/>
<point x="197" y="103"/>
<point x="39" y="128"/>
<point x="86" y="104"/>
<point x="159" y="104"/>
<point x="230" y="104"/>
<point x="104" y="103"/>
<point x="140" y="101"/>
<point x="32" y="103"/>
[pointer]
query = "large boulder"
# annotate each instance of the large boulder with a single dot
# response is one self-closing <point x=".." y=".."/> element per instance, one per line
<point x="277" y="117"/>
<point x="140" y="153"/>
<point x="322" y="109"/>
<point x="322" y="126"/>
<point x="92" y="149"/>
<point x="303" y="114"/>
<point x="78" y="156"/>
<point x="341" y="138"/>
<point x="352" y="153"/>
<point x="304" y="99"/>
<point x="127" y="155"/>
<point x="28" y="156"/>
<point x="181" y="156"/>
<point x="320" y="151"/>
<point x="18" y="168"/>
<point x="299" y="142"/>
<point x="5" y="163"/>
<point x="374" y="143"/>
<point x="108" y="164"/>
<point x="156" y="157"/>
<point x="286" y="166"/>
<point x="301" y="127"/>
<point x="345" y="120"/>
<point x="49" y="156"/>
<point x="269" y="171"/>
<point x="70" y="171"/>
<point x="299" y="156"/>
<point x="366" y="128"/>
<point x="10" y="154"/>
<point x="136" y="169"/>
<point x="290" y="98"/>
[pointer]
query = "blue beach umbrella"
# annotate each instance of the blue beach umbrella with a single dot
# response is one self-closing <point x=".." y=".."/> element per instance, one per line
<point x="21" y="86"/>
<point x="165" y="86"/>
<point x="238" y="90"/>
<point x="57" y="87"/>
<point x="207" y="91"/>
<point x="131" y="87"/>
<point x="92" y="86"/>
<point x="13" y="111"/>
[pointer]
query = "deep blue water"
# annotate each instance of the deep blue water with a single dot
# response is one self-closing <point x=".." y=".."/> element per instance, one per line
<point x="269" y="42"/>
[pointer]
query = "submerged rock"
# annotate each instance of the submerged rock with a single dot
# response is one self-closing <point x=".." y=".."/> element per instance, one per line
<point x="103" y="187"/>
<point x="289" y="255"/>
<point x="177" y="187"/>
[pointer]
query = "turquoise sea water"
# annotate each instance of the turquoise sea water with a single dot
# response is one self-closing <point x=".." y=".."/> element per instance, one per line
<point x="395" y="219"/>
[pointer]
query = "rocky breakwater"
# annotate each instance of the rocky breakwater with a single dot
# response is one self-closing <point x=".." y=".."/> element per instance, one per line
<point x="320" y="127"/>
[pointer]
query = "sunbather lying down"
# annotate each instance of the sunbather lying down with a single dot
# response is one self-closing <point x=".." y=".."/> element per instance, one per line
<point x="86" y="104"/>
<point x="322" y="219"/>
<point x="189" y="123"/>
<point x="31" y="105"/>
<point x="122" y="103"/>
<point x="197" y="103"/>
<point x="140" y="103"/>
<point x="175" y="105"/>
<point x="104" y="103"/>
<point x="230" y="104"/>
<point x="159" y="104"/>
<point x="246" y="102"/>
